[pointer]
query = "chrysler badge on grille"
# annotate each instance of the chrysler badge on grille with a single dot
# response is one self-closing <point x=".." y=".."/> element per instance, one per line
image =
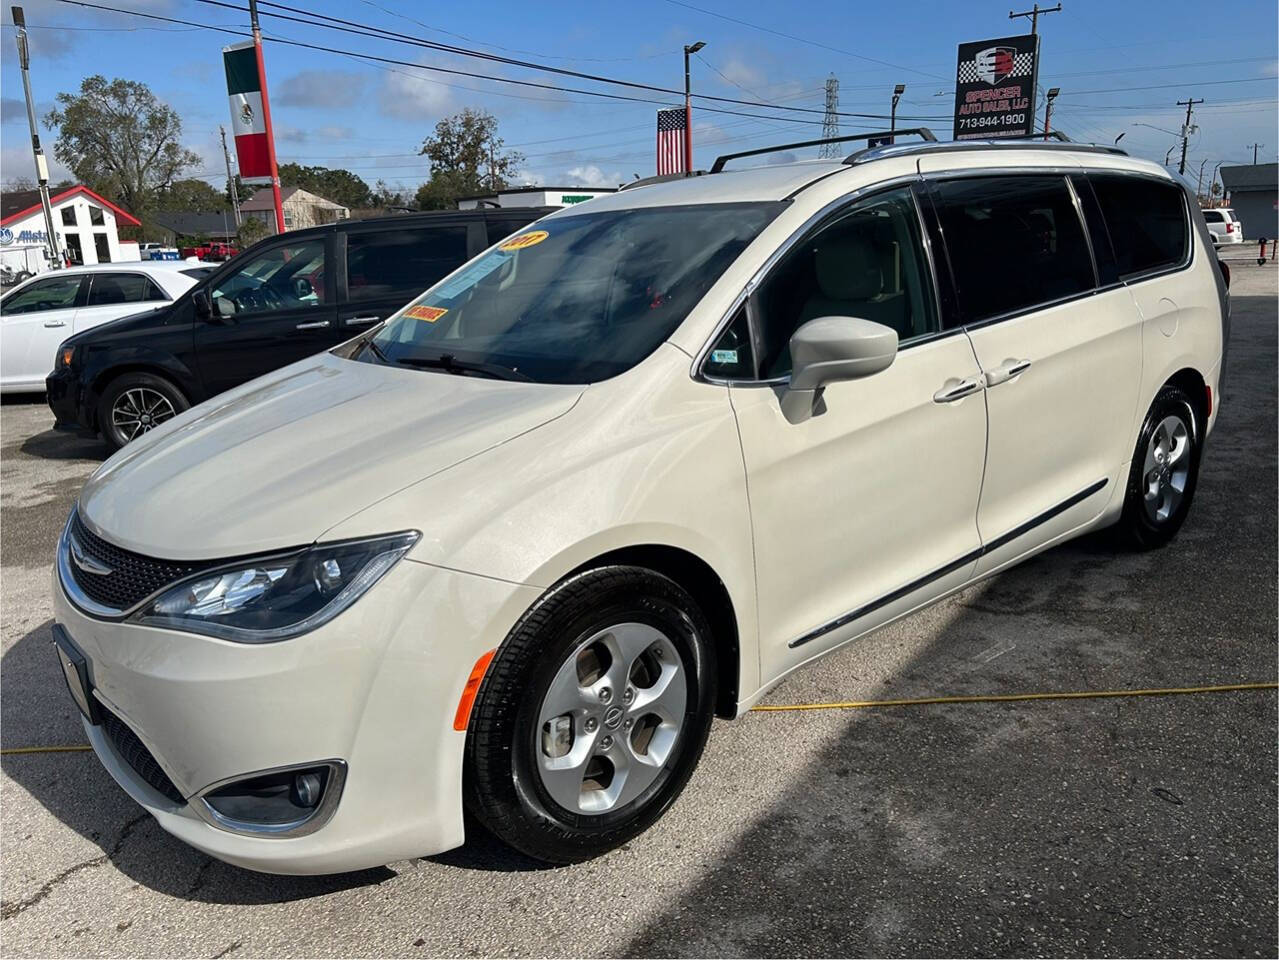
<point x="84" y="562"/>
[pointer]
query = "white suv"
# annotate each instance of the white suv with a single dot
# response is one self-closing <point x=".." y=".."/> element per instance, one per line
<point x="512" y="550"/>
<point x="1224" y="226"/>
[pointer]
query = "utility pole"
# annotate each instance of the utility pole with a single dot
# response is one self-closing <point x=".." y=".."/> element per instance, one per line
<point x="830" y="120"/>
<point x="230" y="180"/>
<point x="266" y="117"/>
<point x="1034" y="16"/>
<point x="892" y="117"/>
<point x="1255" y="147"/>
<point x="42" y="165"/>
<point x="1048" y="110"/>
<point x="1185" y="131"/>
<point x="689" y="50"/>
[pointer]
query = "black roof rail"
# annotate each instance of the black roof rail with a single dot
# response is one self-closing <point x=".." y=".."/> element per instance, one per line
<point x="1003" y="143"/>
<point x="922" y="132"/>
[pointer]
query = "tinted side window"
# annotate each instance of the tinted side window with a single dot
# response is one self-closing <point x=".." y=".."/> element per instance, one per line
<point x="391" y="262"/>
<point x="1013" y="243"/>
<point x="869" y="263"/>
<point x="55" y="293"/>
<point x="1214" y="216"/>
<point x="501" y="229"/>
<point x="1146" y="220"/>
<point x="111" y="288"/>
<point x="288" y="277"/>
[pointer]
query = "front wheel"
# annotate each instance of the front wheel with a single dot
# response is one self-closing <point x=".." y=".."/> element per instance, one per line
<point x="592" y="715"/>
<point x="1164" y="472"/>
<point x="136" y="403"/>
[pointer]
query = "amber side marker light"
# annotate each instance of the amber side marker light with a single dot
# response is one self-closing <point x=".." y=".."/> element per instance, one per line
<point x="67" y="354"/>
<point x="470" y="690"/>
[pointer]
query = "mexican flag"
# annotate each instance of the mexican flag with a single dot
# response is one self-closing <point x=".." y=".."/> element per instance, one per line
<point x="244" y="90"/>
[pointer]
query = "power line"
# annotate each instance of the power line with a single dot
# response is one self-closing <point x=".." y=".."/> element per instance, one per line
<point x="481" y="76"/>
<point x="811" y="43"/>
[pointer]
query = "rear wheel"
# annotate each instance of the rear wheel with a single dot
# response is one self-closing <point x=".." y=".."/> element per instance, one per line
<point x="136" y="403"/>
<point x="592" y="715"/>
<point x="1164" y="472"/>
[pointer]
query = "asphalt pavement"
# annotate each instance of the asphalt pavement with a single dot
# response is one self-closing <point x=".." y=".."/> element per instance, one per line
<point x="1138" y="827"/>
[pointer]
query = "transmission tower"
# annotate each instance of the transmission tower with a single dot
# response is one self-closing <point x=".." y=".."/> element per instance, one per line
<point x="830" y="122"/>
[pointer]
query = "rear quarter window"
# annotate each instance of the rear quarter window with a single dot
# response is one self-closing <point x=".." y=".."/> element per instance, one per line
<point x="1146" y="219"/>
<point x="1214" y="216"/>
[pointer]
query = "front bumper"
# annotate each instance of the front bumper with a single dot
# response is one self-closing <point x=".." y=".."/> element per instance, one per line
<point x="62" y="389"/>
<point x="377" y="687"/>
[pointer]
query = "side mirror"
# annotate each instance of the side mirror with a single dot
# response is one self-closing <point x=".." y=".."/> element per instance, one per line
<point x="203" y="309"/>
<point x="830" y="349"/>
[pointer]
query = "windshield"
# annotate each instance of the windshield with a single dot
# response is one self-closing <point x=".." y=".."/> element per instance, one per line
<point x="572" y="300"/>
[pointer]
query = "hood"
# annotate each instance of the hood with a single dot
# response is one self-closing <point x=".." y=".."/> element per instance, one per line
<point x="133" y="321"/>
<point x="277" y="462"/>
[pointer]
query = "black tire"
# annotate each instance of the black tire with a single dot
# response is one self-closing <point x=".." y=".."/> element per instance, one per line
<point x="503" y="787"/>
<point x="142" y="384"/>
<point x="1137" y="528"/>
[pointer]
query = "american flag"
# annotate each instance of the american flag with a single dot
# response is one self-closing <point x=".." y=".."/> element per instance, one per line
<point x="671" y="134"/>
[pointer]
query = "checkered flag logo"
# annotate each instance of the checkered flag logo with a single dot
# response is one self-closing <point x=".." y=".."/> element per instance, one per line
<point x="995" y="64"/>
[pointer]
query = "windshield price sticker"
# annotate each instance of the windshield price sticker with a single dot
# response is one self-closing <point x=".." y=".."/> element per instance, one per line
<point x="524" y="240"/>
<point x="429" y="314"/>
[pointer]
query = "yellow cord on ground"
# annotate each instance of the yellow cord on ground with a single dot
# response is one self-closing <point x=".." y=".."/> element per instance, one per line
<point x="912" y="702"/>
<point x="73" y="748"/>
<point x="1013" y="697"/>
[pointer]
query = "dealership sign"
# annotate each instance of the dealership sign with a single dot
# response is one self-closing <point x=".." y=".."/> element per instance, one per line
<point x="995" y="88"/>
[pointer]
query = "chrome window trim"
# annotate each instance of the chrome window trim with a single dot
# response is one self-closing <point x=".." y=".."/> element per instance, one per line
<point x="699" y="361"/>
<point x="301" y="827"/>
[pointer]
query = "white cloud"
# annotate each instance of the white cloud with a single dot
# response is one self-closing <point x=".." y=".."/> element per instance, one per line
<point x="17" y="162"/>
<point x="593" y="176"/>
<point x="321" y="88"/>
<point x="413" y="97"/>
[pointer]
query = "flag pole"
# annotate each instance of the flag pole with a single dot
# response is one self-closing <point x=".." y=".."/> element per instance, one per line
<point x="266" y="118"/>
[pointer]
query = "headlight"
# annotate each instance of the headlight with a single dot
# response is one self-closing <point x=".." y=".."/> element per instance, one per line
<point x="277" y="597"/>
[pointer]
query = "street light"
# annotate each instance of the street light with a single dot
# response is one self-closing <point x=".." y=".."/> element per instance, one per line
<point x="1048" y="109"/>
<point x="892" y="122"/>
<point x="689" y="50"/>
<point x="1168" y="155"/>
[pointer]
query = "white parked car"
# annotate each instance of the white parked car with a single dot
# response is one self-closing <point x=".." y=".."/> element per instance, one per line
<point x="626" y="470"/>
<point x="36" y="316"/>
<point x="1224" y="226"/>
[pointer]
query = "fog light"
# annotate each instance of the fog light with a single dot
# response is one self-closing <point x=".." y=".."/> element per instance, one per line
<point x="285" y="802"/>
<point x="306" y="789"/>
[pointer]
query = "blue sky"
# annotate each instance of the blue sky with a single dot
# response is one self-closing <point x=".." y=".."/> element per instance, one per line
<point x="1119" y="66"/>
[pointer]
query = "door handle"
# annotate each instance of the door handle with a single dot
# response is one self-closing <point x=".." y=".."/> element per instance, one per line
<point x="313" y="325"/>
<point x="358" y="321"/>
<point x="958" y="391"/>
<point x="56" y="323"/>
<point x="1006" y="372"/>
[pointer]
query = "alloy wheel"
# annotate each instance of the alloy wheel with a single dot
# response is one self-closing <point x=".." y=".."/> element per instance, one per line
<point x="610" y="719"/>
<point x="1166" y="469"/>
<point x="138" y="410"/>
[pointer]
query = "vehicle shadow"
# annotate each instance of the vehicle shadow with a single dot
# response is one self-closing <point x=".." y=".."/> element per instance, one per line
<point x="64" y="445"/>
<point x="35" y="710"/>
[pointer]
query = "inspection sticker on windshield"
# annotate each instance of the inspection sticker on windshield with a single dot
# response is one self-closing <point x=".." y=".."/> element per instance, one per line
<point x="723" y="356"/>
<point x="524" y="240"/>
<point x="429" y="314"/>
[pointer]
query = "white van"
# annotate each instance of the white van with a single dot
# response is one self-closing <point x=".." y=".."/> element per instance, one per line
<point x="511" y="550"/>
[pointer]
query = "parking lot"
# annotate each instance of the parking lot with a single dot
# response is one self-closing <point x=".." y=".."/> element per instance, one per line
<point x="1116" y="826"/>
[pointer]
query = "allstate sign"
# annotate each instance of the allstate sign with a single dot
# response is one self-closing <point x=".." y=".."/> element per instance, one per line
<point x="26" y="236"/>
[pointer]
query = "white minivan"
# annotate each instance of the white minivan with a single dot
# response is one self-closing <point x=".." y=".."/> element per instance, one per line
<point x="36" y="316"/>
<point x="1224" y="226"/>
<point x="510" y="551"/>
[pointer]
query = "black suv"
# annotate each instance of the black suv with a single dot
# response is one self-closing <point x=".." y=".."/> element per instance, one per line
<point x="283" y="299"/>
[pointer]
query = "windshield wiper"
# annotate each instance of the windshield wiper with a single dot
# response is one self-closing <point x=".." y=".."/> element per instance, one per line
<point x="371" y="343"/>
<point x="451" y="364"/>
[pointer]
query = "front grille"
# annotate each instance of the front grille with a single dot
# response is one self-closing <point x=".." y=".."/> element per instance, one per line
<point x="133" y="577"/>
<point x="137" y="756"/>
